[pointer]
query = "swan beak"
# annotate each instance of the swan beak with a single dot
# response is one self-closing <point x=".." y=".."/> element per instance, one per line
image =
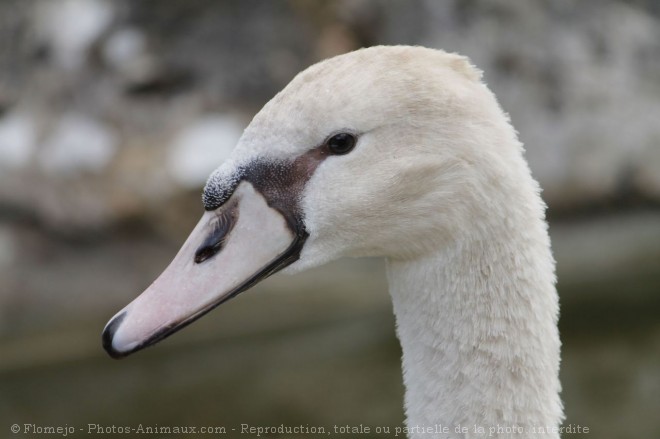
<point x="231" y="248"/>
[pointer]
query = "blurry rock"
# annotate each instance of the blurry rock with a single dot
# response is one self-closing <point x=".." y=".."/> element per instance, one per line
<point x="17" y="138"/>
<point x="126" y="52"/>
<point x="140" y="71"/>
<point x="77" y="143"/>
<point x="70" y="27"/>
<point x="202" y="147"/>
<point x="115" y="95"/>
<point x="123" y="47"/>
<point x="580" y="83"/>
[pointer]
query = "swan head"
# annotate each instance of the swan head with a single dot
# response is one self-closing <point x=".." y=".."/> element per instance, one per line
<point x="386" y="151"/>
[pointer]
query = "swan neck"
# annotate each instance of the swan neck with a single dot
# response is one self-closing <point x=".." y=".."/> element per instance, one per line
<point x="478" y="329"/>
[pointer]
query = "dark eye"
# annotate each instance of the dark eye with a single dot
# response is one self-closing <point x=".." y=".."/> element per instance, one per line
<point x="341" y="143"/>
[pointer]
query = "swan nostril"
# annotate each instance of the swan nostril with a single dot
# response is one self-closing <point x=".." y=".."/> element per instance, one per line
<point x="207" y="251"/>
<point x="220" y="228"/>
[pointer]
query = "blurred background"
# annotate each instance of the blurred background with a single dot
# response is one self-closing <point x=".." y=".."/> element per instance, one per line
<point x="113" y="113"/>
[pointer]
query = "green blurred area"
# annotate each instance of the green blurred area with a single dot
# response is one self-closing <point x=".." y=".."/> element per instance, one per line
<point x="315" y="349"/>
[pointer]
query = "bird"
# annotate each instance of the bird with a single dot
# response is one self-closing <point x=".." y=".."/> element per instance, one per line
<point x="404" y="153"/>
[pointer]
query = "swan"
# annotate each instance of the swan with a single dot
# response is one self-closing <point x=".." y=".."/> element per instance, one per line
<point x="403" y="153"/>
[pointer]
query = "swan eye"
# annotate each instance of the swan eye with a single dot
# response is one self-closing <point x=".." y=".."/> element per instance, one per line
<point x="341" y="143"/>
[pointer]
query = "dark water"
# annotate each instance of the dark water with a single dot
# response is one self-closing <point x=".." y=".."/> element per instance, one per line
<point x="316" y="350"/>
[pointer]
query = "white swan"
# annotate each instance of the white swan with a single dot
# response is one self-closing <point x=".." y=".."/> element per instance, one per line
<point x="400" y="152"/>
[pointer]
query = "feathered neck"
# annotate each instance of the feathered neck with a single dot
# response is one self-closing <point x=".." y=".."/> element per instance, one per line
<point x="477" y="323"/>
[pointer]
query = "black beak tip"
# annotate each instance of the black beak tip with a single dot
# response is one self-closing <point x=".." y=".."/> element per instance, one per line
<point x="108" y="335"/>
